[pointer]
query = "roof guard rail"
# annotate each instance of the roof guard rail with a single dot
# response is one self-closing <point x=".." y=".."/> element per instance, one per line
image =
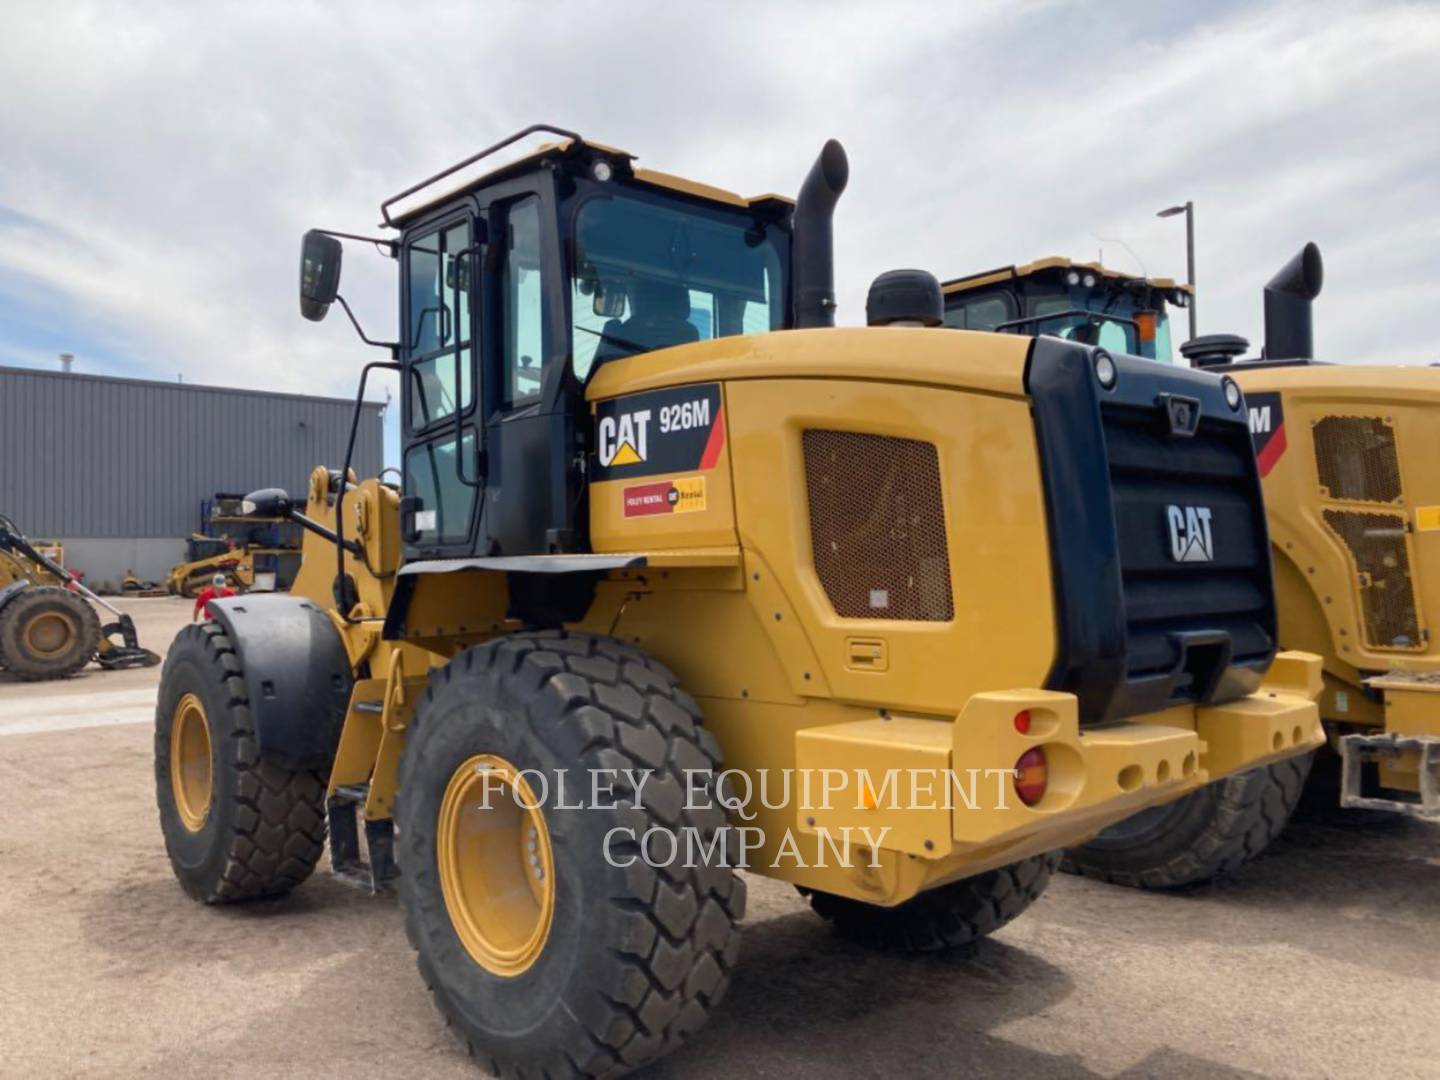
<point x="389" y="222"/>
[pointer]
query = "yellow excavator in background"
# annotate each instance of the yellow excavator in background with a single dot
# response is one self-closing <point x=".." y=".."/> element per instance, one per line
<point x="48" y="626"/>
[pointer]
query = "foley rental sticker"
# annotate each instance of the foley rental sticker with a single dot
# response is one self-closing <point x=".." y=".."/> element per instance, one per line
<point x="667" y="497"/>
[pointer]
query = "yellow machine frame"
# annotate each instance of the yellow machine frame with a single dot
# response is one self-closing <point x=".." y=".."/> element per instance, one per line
<point x="785" y="684"/>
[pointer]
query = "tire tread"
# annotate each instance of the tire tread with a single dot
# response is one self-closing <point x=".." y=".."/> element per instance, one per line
<point x="1251" y="809"/>
<point x="675" y="951"/>
<point x="276" y="820"/>
<point x="947" y="917"/>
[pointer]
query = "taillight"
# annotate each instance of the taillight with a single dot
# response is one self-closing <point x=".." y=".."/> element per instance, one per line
<point x="1022" y="721"/>
<point x="1032" y="773"/>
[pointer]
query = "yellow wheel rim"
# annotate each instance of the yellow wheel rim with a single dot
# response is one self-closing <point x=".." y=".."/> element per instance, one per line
<point x="497" y="873"/>
<point x="191" y="771"/>
<point x="50" y="633"/>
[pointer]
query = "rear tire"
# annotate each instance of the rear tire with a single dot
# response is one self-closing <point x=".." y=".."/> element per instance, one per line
<point x="244" y="828"/>
<point x="47" y="632"/>
<point x="947" y="917"/>
<point x="1207" y="834"/>
<point x="611" y="966"/>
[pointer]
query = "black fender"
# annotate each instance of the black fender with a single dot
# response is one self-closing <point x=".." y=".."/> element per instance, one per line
<point x="297" y="675"/>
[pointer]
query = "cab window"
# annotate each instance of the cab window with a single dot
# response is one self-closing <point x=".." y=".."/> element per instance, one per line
<point x="446" y="501"/>
<point x="980" y="312"/>
<point x="522" y="314"/>
<point x="1163" y="348"/>
<point x="437" y="323"/>
<point x="1087" y="329"/>
<point x="651" y="274"/>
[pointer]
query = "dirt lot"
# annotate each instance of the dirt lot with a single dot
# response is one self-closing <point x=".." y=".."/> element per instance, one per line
<point x="1324" y="959"/>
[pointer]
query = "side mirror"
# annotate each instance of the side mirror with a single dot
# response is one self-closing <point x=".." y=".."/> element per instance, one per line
<point x="266" y="503"/>
<point x="319" y="274"/>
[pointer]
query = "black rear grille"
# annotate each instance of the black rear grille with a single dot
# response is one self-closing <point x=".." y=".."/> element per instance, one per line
<point x="1166" y="602"/>
<point x="1161" y="556"/>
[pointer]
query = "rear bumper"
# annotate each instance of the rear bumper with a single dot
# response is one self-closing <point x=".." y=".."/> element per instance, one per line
<point x="972" y="818"/>
<point x="1406" y="755"/>
<point x="1412" y="757"/>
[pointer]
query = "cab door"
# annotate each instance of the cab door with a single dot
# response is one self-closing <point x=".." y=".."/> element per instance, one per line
<point x="440" y="388"/>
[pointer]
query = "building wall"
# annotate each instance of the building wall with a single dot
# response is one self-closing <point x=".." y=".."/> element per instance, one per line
<point x="105" y="559"/>
<point x="86" y="459"/>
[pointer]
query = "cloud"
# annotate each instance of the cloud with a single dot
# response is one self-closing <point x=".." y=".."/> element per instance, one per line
<point x="161" y="163"/>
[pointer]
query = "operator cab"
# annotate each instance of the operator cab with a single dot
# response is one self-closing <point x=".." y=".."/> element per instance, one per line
<point x="1083" y="302"/>
<point x="515" y="286"/>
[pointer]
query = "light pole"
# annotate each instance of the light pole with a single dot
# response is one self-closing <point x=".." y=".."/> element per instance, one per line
<point x="1189" y="211"/>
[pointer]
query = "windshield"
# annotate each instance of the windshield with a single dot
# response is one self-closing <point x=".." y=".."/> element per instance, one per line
<point x="1116" y="322"/>
<point x="650" y="274"/>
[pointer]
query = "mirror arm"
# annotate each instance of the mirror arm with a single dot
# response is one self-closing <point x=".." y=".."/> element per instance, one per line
<point x="393" y="346"/>
<point x="391" y="248"/>
<point x="352" y="546"/>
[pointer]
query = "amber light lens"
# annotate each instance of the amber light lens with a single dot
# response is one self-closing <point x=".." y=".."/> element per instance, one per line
<point x="1145" y="323"/>
<point x="1032" y="773"/>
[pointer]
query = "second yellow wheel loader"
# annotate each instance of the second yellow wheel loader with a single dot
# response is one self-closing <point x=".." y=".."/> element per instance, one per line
<point x="683" y="580"/>
<point x="48" y="626"/>
<point x="1348" y="458"/>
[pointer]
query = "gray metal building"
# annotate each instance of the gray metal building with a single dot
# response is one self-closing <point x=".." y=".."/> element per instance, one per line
<point x="116" y="468"/>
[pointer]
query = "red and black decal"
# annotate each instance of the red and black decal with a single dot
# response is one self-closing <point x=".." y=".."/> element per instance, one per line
<point x="681" y="429"/>
<point x="682" y="496"/>
<point x="1267" y="429"/>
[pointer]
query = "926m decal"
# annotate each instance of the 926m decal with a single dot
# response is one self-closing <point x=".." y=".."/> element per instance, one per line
<point x="662" y="431"/>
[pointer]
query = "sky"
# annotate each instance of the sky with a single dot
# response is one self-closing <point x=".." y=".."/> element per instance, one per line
<point x="160" y="162"/>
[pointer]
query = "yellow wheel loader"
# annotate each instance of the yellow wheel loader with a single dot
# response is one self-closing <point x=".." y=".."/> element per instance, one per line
<point x="682" y="580"/>
<point x="1347" y="454"/>
<point x="48" y="628"/>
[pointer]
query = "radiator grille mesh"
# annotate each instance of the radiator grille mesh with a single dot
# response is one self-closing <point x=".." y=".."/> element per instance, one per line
<point x="1356" y="459"/>
<point x="1377" y="544"/>
<point x="877" y="526"/>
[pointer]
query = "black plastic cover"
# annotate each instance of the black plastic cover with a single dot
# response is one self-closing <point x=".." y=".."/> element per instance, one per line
<point x="905" y="296"/>
<point x="297" y="675"/>
<point x="1150" y="614"/>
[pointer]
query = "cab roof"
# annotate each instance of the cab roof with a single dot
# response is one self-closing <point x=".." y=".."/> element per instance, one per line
<point x="568" y="147"/>
<point x="1053" y="262"/>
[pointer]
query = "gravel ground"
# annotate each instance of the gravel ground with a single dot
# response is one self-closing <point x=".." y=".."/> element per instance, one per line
<point x="1322" y="959"/>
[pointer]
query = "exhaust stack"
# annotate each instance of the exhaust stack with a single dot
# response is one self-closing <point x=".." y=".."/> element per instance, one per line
<point x="1289" y="328"/>
<point x="813" y="271"/>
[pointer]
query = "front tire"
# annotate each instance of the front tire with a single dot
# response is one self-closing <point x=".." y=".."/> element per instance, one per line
<point x="47" y="632"/>
<point x="947" y="917"/>
<point x="236" y="826"/>
<point x="1207" y="834"/>
<point x="548" y="957"/>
